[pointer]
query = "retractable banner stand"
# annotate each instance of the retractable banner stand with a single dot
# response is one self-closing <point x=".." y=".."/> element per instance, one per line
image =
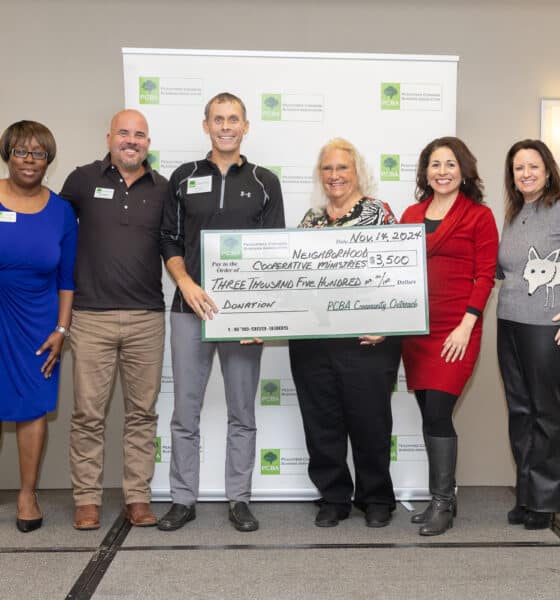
<point x="389" y="106"/>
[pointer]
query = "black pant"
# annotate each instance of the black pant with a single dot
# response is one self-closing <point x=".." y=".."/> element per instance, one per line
<point x="344" y="391"/>
<point x="530" y="366"/>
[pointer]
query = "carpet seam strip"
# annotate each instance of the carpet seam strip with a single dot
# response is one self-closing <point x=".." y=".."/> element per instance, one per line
<point x="49" y="550"/>
<point x="93" y="573"/>
<point x="343" y="546"/>
<point x="314" y="546"/>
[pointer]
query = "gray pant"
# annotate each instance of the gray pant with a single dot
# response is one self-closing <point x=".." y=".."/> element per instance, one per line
<point x="192" y="362"/>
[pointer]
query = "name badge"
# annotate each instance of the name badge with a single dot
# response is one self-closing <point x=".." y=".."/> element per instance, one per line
<point x="199" y="185"/>
<point x="7" y="216"/>
<point x="106" y="193"/>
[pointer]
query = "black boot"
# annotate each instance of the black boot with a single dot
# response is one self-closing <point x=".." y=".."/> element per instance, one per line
<point x="442" y="459"/>
<point x="424" y="516"/>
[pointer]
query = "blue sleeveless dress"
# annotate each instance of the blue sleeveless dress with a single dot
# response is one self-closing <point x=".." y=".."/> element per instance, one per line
<point x="37" y="253"/>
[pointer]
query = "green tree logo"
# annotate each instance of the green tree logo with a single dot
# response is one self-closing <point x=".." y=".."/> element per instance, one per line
<point x="390" y="96"/>
<point x="158" y="449"/>
<point x="271" y="102"/>
<point x="390" y="91"/>
<point x="390" y="167"/>
<point x="270" y="461"/>
<point x="390" y="163"/>
<point x="270" y="392"/>
<point x="271" y="107"/>
<point x="394" y="448"/>
<point x="148" y="90"/>
<point x="230" y="246"/>
<point x="153" y="159"/>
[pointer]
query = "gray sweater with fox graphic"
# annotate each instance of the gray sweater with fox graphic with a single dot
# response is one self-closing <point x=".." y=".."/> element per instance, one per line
<point x="529" y="262"/>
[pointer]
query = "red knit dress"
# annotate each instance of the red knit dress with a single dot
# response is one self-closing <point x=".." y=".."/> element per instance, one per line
<point x="461" y="266"/>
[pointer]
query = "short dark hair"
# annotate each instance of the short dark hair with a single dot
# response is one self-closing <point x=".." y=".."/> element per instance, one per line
<point x="551" y="192"/>
<point x="471" y="185"/>
<point x="224" y="97"/>
<point x="22" y="131"/>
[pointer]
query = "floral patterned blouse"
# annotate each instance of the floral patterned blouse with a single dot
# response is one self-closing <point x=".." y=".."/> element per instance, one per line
<point x="367" y="211"/>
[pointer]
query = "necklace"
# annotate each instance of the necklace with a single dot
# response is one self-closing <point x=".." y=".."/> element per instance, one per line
<point x="334" y="212"/>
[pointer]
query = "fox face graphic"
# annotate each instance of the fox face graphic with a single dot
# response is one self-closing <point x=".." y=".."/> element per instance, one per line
<point x="542" y="271"/>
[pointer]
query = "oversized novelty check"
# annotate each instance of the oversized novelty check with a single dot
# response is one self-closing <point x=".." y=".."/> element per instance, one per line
<point x="332" y="282"/>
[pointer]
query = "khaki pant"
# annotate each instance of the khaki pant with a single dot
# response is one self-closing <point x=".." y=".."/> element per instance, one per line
<point x="100" y="341"/>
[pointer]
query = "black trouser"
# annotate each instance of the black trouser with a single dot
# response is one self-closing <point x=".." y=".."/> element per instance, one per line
<point x="530" y="366"/>
<point x="344" y="391"/>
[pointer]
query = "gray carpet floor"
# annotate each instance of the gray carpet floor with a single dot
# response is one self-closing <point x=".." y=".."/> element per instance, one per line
<point x="396" y="574"/>
<point x="289" y="558"/>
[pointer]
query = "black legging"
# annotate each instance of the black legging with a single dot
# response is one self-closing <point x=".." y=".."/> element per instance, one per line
<point x="437" y="412"/>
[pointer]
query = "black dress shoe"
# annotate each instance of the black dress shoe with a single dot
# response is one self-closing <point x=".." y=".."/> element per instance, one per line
<point x="329" y="515"/>
<point x="517" y="515"/>
<point x="537" y="520"/>
<point x="27" y="525"/>
<point x="176" y="517"/>
<point x="242" y="518"/>
<point x="378" y="515"/>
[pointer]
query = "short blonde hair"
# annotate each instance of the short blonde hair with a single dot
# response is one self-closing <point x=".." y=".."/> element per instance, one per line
<point x="366" y="182"/>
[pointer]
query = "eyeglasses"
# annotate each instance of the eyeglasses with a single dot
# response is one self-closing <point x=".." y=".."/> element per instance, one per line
<point x="24" y="153"/>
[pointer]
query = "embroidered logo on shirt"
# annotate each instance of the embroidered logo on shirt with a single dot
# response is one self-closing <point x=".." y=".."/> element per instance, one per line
<point x="542" y="271"/>
<point x="247" y="194"/>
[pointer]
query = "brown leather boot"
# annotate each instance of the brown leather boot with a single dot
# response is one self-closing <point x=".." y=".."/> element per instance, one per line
<point x="86" y="517"/>
<point x="140" y="514"/>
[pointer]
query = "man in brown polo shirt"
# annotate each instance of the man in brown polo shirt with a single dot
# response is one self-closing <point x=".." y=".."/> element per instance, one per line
<point x="118" y="316"/>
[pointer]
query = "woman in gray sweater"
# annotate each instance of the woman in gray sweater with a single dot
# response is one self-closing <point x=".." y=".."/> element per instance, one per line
<point x="528" y="339"/>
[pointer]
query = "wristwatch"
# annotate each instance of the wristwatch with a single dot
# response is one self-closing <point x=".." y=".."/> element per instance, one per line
<point x="60" y="329"/>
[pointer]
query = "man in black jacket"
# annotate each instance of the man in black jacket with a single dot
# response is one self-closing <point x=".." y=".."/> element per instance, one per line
<point x="222" y="191"/>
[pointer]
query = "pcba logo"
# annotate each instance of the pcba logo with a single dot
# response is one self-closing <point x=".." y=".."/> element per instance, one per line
<point x="148" y="90"/>
<point x="270" y="461"/>
<point x="394" y="448"/>
<point x="158" y="449"/>
<point x="153" y="159"/>
<point x="390" y="96"/>
<point x="230" y="247"/>
<point x="270" y="392"/>
<point x="390" y="167"/>
<point x="271" y="107"/>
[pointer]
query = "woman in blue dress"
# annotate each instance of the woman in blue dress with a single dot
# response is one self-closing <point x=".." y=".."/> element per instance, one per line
<point x="37" y="249"/>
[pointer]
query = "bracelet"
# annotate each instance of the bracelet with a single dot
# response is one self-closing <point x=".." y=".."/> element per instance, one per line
<point x="60" y="329"/>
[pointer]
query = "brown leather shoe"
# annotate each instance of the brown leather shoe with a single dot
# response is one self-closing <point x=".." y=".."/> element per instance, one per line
<point x="140" y="514"/>
<point x="86" y="517"/>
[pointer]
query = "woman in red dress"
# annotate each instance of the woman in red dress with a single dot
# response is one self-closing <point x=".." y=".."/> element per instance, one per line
<point x="462" y="246"/>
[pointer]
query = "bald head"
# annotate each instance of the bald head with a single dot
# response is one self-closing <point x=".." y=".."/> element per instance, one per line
<point x="128" y="140"/>
<point x="127" y="114"/>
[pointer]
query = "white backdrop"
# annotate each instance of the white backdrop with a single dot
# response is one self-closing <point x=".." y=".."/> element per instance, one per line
<point x="390" y="107"/>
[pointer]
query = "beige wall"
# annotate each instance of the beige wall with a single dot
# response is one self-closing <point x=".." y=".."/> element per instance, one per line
<point x="62" y="65"/>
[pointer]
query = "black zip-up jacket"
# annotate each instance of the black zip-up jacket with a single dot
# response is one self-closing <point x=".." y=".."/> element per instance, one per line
<point x="246" y="197"/>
